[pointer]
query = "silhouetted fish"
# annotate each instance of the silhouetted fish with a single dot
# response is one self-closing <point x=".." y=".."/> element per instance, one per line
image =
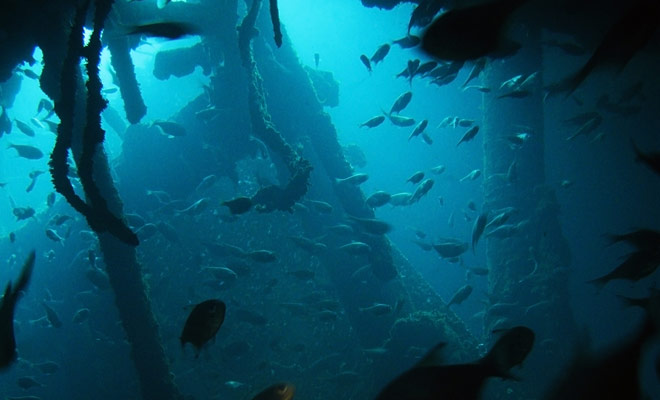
<point x="203" y="323"/>
<point x="279" y="391"/>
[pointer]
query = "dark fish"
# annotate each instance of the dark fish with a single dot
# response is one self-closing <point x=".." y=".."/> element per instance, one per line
<point x="430" y="381"/>
<point x="34" y="175"/>
<point x="371" y="225"/>
<point x="424" y="13"/>
<point x="421" y="190"/>
<point x="401" y="102"/>
<point x="321" y="207"/>
<point x="53" y="235"/>
<point x="262" y="256"/>
<point x="651" y="160"/>
<point x="461" y="295"/>
<point x="47" y="367"/>
<point x="203" y="323"/>
<point x="22" y="213"/>
<point x="5" y="122"/>
<point x="413" y="66"/>
<point x="427" y="139"/>
<point x="25" y="151"/>
<point x="377" y="309"/>
<point x="449" y="248"/>
<point x="52" y="316"/>
<point x="624" y="39"/>
<point x="416" y="177"/>
<point x="25" y="128"/>
<point x="279" y="391"/>
<point x="469" y="135"/>
<point x="27" y="382"/>
<point x="317" y="57"/>
<point x="380" y="53"/>
<point x="472" y="32"/>
<point x="477" y="68"/>
<point x="478" y="229"/>
<point x="7" y="306"/>
<point x="588" y="127"/>
<point x="419" y="129"/>
<point x="402" y="121"/>
<point x="170" y="128"/>
<point x="80" y="316"/>
<point x="12" y="237"/>
<point x="238" y="205"/>
<point x="30" y="74"/>
<point x="378" y="199"/>
<point x="45" y="104"/>
<point x="168" y="30"/>
<point x="50" y="200"/>
<point x="366" y="62"/>
<point x="109" y="90"/>
<point x="355" y="179"/>
<point x="425" y="68"/>
<point x="373" y="122"/>
<point x="407" y="41"/>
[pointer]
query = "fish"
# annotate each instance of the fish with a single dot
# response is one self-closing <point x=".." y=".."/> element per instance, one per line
<point x="26" y="151"/>
<point x="80" y="316"/>
<point x="378" y="199"/>
<point x="371" y="225"/>
<point x="203" y="323"/>
<point x="355" y="179"/>
<point x="418" y="129"/>
<point x="167" y="30"/>
<point x="262" y="256"/>
<point x="503" y="231"/>
<point x="27" y="382"/>
<point x="416" y="177"/>
<point x="429" y="380"/>
<point x="377" y="309"/>
<point x="7" y="308"/>
<point x="25" y="128"/>
<point x="317" y="58"/>
<point x="380" y="53"/>
<point x="469" y="135"/>
<point x="425" y="68"/>
<point x="421" y="190"/>
<point x="321" y="207"/>
<point x="427" y="139"/>
<point x="424" y="13"/>
<point x="480" y="88"/>
<point x="195" y="208"/>
<point x="29" y="73"/>
<point x="412" y="67"/>
<point x="401" y="102"/>
<point x="474" y="174"/>
<point x="399" y="120"/>
<point x="206" y="183"/>
<point x="373" y="121"/>
<point x="53" y="235"/>
<point x="478" y="67"/>
<point x="97" y="277"/>
<point x="47" y="367"/>
<point x="109" y="90"/>
<point x="408" y="41"/>
<point x="50" y="199"/>
<point x="423" y="245"/>
<point x="449" y="248"/>
<point x="356" y="248"/>
<point x="461" y="295"/>
<point x="45" y="105"/>
<point x="33" y="176"/>
<point x="651" y="160"/>
<point x="171" y="129"/>
<point x="632" y="32"/>
<point x="500" y="218"/>
<point x="238" y="205"/>
<point x="52" y="316"/>
<point x="588" y="127"/>
<point x="22" y="213"/>
<point x="438" y="169"/>
<point x="5" y="122"/>
<point x="400" y="199"/>
<point x="478" y="229"/>
<point x="366" y="62"/>
<point x="278" y="391"/>
<point x="12" y="237"/>
<point x="469" y="33"/>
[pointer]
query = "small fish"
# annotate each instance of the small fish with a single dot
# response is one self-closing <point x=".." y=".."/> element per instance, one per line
<point x="356" y="248"/>
<point x="399" y="120"/>
<point x="425" y="68"/>
<point x="427" y="139"/>
<point x="50" y="199"/>
<point x="438" y="169"/>
<point x="22" y="213"/>
<point x="478" y="229"/>
<point x="317" y="58"/>
<point x="12" y="237"/>
<point x="401" y="102"/>
<point x="80" y="316"/>
<point x="450" y="248"/>
<point x="366" y="62"/>
<point x="377" y="309"/>
<point x="373" y="122"/>
<point x="206" y="183"/>
<point x="278" y="391"/>
<point x="321" y="206"/>
<point x="45" y="105"/>
<point x="407" y="42"/>
<point x="171" y="129"/>
<point x="419" y="129"/>
<point x="371" y="225"/>
<point x="356" y="179"/>
<point x="469" y="135"/>
<point x="461" y="295"/>
<point x="47" y="367"/>
<point x="378" y="199"/>
<point x="262" y="256"/>
<point x="34" y="175"/>
<point x="52" y="316"/>
<point x="479" y="88"/>
<point x="477" y="68"/>
<point x="416" y="177"/>
<point x="30" y="74"/>
<point x="52" y="235"/>
<point x="401" y="199"/>
<point x="380" y="53"/>
<point x="25" y="128"/>
<point x="26" y="151"/>
<point x="196" y="207"/>
<point x="203" y="323"/>
<point x="422" y="190"/>
<point x="27" y="382"/>
<point x="167" y="30"/>
<point x="474" y="174"/>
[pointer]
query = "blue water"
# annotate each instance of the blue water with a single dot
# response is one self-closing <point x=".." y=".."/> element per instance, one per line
<point x="608" y="193"/>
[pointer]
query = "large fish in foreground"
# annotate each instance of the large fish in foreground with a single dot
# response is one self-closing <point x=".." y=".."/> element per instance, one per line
<point x="429" y="381"/>
<point x="203" y="323"/>
<point x="279" y="391"/>
<point x="7" y="306"/>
